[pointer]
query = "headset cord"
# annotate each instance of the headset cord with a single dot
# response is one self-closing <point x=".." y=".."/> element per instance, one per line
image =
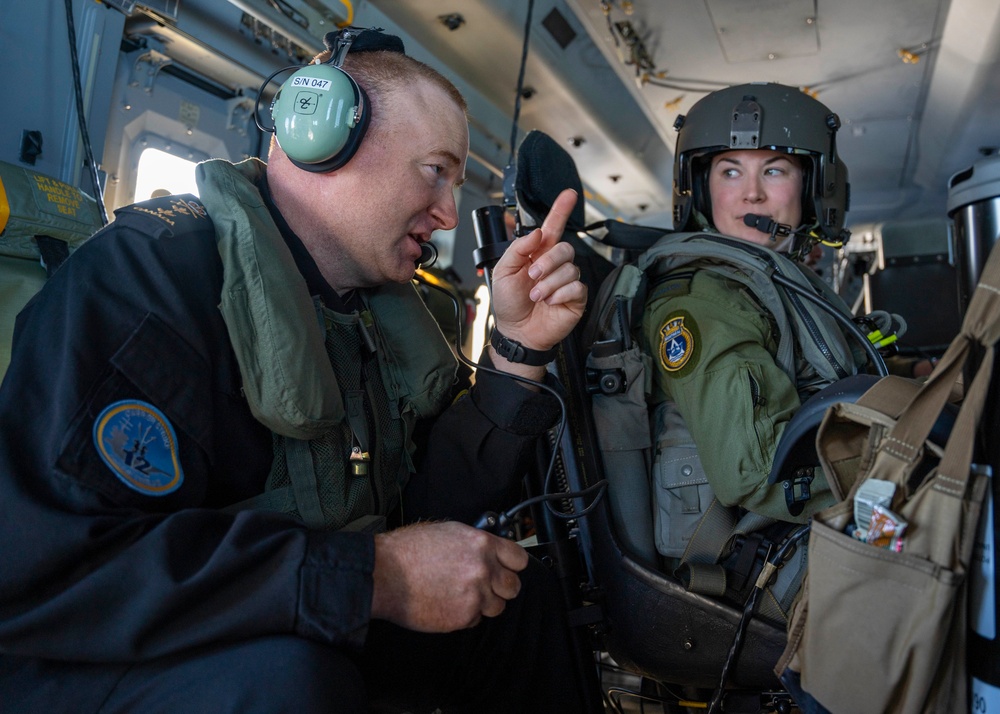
<point x="499" y="522"/>
<point x="878" y="364"/>
<point x="510" y="170"/>
<point x="771" y="566"/>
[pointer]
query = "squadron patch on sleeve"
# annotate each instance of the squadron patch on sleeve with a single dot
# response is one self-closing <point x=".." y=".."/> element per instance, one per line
<point x="139" y="445"/>
<point x="678" y="342"/>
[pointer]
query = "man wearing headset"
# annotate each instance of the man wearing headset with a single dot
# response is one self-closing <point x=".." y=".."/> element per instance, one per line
<point x="199" y="514"/>
<point x="756" y="163"/>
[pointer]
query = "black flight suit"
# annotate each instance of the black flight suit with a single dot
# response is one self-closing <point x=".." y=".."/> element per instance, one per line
<point x="108" y="596"/>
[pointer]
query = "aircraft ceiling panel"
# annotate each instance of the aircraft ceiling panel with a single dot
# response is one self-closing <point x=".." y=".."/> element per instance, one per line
<point x="907" y="78"/>
<point x="764" y="30"/>
<point x="875" y="153"/>
<point x="960" y="115"/>
<point x="572" y="92"/>
<point x="873" y="66"/>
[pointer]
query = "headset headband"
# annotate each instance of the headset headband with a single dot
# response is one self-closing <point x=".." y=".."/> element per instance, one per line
<point x="361" y="39"/>
<point x="342" y="42"/>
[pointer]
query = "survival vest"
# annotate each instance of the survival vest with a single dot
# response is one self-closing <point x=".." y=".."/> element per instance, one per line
<point x="659" y="495"/>
<point x="302" y="366"/>
<point x="42" y="221"/>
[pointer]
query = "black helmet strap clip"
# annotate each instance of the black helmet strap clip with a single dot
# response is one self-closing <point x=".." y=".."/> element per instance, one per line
<point x="745" y="131"/>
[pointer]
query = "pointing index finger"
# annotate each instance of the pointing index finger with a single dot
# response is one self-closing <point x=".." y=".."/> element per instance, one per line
<point x="555" y="222"/>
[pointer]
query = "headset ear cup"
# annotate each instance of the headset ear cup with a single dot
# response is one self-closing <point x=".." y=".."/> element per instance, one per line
<point x="320" y="117"/>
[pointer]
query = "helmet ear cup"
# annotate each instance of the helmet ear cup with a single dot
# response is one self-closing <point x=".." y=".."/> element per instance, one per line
<point x="320" y="117"/>
<point x="691" y="192"/>
<point x="810" y="175"/>
<point x="702" y="198"/>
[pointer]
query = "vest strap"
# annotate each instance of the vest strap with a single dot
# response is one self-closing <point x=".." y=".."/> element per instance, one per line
<point x="302" y="473"/>
<point x="708" y="542"/>
<point x="703" y="578"/>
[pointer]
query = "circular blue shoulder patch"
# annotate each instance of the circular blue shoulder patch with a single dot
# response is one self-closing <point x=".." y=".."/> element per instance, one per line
<point x="138" y="444"/>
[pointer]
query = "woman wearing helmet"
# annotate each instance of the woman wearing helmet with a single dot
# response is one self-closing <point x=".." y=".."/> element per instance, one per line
<point x="758" y="163"/>
<point x="762" y="117"/>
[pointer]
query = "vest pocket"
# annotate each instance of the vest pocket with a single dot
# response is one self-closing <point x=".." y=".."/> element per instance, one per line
<point x="680" y="486"/>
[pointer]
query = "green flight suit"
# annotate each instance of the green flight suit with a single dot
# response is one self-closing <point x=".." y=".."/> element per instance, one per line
<point x="713" y="349"/>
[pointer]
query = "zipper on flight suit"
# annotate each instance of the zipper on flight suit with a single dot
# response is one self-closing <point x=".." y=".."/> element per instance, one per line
<point x="371" y="423"/>
<point x="756" y="400"/>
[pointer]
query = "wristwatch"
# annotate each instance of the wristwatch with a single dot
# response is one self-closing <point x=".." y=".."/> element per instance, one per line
<point x="514" y="351"/>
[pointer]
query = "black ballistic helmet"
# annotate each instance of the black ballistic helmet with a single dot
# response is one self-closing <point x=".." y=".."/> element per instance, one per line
<point x="762" y="116"/>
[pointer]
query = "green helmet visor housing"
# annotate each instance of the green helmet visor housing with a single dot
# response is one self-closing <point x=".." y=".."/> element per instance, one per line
<point x="762" y="116"/>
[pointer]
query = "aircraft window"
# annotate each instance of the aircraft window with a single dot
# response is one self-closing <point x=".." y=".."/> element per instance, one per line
<point x="159" y="173"/>
<point x="479" y="325"/>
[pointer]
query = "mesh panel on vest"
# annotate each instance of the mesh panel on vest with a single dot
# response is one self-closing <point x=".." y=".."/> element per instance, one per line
<point x="345" y="496"/>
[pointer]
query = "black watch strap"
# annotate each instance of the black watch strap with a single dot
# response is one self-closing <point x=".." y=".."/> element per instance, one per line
<point x="514" y="351"/>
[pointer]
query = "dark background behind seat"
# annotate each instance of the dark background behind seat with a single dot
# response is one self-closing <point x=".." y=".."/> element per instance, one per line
<point x="918" y="281"/>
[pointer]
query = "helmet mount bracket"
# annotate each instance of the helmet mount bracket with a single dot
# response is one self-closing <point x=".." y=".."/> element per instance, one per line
<point x="745" y="133"/>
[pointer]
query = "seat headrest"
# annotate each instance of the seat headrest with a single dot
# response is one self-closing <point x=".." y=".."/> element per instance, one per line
<point x="544" y="169"/>
<point x="628" y="235"/>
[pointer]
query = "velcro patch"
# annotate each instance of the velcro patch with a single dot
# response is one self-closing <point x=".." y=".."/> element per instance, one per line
<point x="139" y="445"/>
<point x="673" y="285"/>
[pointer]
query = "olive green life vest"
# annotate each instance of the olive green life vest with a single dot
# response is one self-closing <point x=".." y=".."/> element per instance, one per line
<point x="322" y="382"/>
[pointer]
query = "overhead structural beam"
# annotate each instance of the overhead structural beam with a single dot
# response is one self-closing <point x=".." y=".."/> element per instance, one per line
<point x="269" y="16"/>
<point x="968" y="51"/>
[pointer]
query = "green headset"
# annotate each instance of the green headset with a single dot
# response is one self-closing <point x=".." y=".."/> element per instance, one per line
<point x="320" y="114"/>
